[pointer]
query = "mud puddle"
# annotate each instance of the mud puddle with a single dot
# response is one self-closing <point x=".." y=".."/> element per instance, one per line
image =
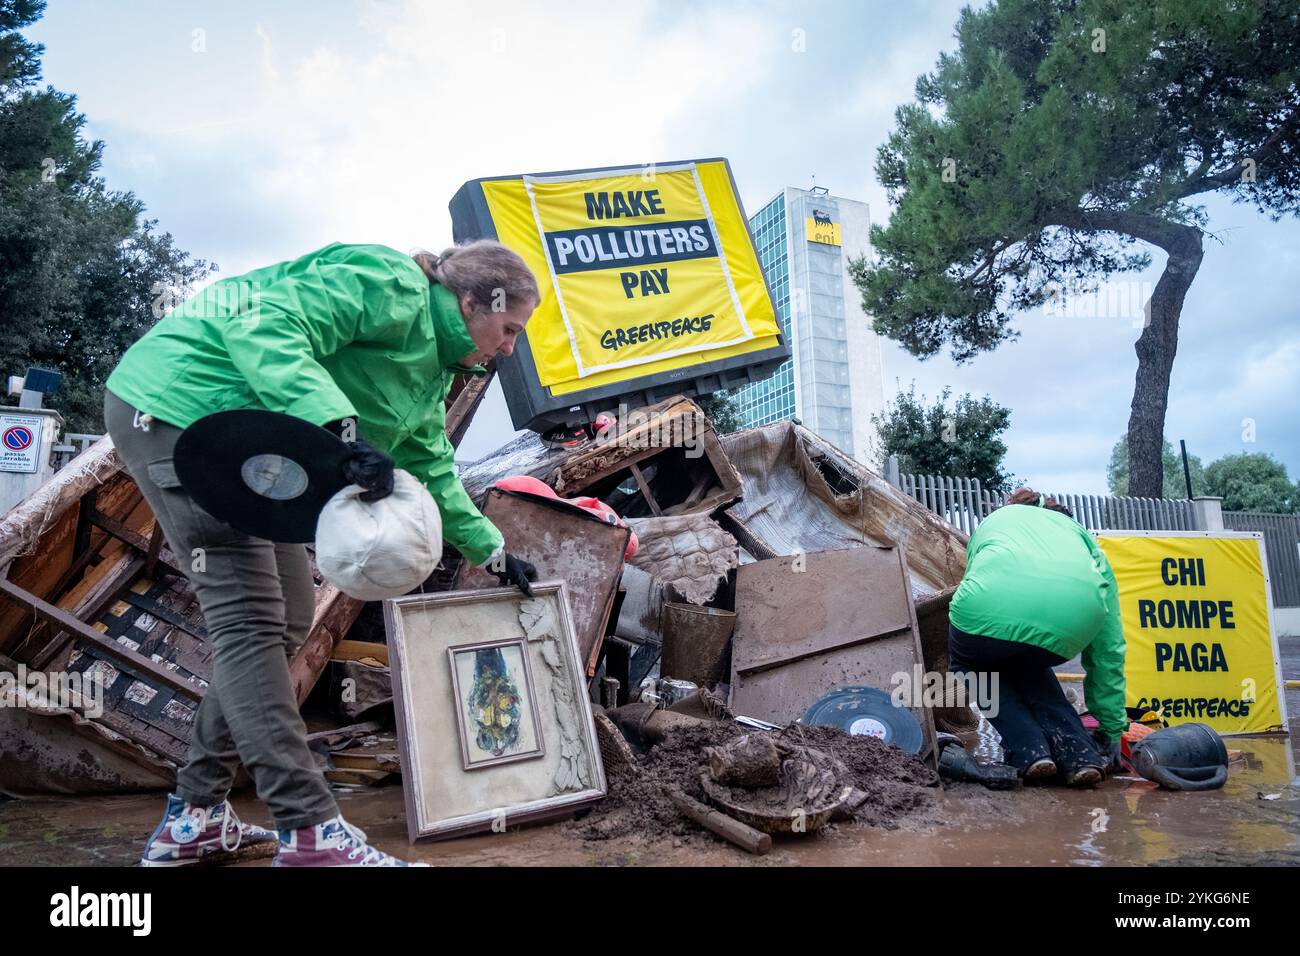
<point x="1254" y="819"/>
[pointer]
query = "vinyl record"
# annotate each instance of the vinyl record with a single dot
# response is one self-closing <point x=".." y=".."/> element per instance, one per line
<point x="866" y="710"/>
<point x="263" y="473"/>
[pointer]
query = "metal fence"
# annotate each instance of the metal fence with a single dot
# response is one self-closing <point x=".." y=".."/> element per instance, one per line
<point x="73" y="444"/>
<point x="963" y="503"/>
<point x="1281" y="543"/>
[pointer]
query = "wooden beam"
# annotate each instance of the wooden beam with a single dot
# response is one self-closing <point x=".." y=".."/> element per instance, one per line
<point x="22" y="527"/>
<point x="359" y="650"/>
<point x="38" y="631"/>
<point x="645" y="489"/>
<point x="91" y="605"/>
<point x="109" y="648"/>
<point x="136" y="540"/>
<point x="461" y="407"/>
<point x="155" y="548"/>
<point x="118" y="530"/>
<point x="335" y="612"/>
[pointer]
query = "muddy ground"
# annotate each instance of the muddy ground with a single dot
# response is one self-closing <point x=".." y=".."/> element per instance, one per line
<point x="1254" y="819"/>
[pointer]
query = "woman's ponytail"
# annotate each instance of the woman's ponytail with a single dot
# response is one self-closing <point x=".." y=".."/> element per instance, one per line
<point x="495" y="277"/>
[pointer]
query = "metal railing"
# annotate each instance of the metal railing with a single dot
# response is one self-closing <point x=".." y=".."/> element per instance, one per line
<point x="1281" y="544"/>
<point x="963" y="503"/>
<point x="73" y="444"/>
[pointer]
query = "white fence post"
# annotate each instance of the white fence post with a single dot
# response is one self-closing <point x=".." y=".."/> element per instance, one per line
<point x="1209" y="512"/>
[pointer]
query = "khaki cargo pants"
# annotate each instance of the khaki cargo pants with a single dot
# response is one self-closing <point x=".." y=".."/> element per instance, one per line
<point x="257" y="602"/>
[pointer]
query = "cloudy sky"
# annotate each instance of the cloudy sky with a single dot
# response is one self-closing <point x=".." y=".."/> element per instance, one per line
<point x="255" y="132"/>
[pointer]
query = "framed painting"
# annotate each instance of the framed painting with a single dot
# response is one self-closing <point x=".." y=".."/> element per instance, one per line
<point x="496" y="704"/>
<point x="493" y="718"/>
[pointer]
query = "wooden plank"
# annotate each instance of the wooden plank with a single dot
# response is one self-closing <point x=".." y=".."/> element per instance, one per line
<point x="828" y="604"/>
<point x="465" y="401"/>
<point x="789" y="608"/>
<point x="136" y="540"/>
<point x="105" y="552"/>
<point x="665" y="425"/>
<point x="359" y="650"/>
<point x="108" y="648"/>
<point x="28" y="521"/>
<point x="38" y="573"/>
<point x="155" y="548"/>
<point x="53" y="552"/>
<point x="367" y="760"/>
<point x="160" y="610"/>
<point x="645" y="489"/>
<point x="91" y="604"/>
<point x="335" y="613"/>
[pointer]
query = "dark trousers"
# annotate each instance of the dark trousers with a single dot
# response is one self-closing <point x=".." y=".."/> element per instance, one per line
<point x="1034" y="717"/>
<point x="257" y="599"/>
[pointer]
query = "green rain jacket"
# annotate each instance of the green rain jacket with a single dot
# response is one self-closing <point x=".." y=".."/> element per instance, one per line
<point x="346" y="331"/>
<point x="1038" y="577"/>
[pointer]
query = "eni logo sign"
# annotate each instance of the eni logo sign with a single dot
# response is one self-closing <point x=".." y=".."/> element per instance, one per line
<point x="819" y="228"/>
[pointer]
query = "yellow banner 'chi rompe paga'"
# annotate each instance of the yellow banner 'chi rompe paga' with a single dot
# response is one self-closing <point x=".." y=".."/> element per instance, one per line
<point x="648" y="271"/>
<point x="1199" y="645"/>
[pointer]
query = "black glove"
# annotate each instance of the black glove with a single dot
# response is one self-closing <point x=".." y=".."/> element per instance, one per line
<point x="513" y="571"/>
<point x="370" y="468"/>
<point x="1110" y="752"/>
<point x="366" y="466"/>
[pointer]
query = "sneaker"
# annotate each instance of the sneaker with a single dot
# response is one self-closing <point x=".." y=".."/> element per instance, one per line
<point x="190" y="834"/>
<point x="332" y="843"/>
<point x="1043" y="769"/>
<point x="568" y="437"/>
<point x="1084" y="777"/>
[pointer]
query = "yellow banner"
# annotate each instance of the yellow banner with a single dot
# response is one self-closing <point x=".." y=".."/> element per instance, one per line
<point x="648" y="271"/>
<point x="822" y="230"/>
<point x="1196" y="626"/>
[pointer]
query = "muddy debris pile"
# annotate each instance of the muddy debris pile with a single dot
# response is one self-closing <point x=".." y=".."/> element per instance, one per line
<point x="789" y="781"/>
<point x="738" y="604"/>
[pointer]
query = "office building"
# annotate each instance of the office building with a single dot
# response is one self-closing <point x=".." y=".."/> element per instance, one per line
<point x="833" y="382"/>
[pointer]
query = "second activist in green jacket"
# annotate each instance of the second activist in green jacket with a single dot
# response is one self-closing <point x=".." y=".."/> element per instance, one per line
<point x="1037" y="577"/>
<point x="348" y="331"/>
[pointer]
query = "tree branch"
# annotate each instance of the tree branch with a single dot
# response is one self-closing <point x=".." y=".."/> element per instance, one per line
<point x="1173" y="237"/>
<point x="1226" y="177"/>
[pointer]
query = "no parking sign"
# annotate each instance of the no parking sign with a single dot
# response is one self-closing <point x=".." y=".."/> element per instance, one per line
<point x="20" y="443"/>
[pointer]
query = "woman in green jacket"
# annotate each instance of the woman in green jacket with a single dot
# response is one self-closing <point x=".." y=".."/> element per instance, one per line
<point x="357" y="338"/>
<point x="1036" y="592"/>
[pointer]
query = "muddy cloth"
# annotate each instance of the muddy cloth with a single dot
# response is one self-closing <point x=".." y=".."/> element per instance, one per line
<point x="802" y="494"/>
<point x="690" y="552"/>
<point x="257" y="599"/>
<point x="1034" y="717"/>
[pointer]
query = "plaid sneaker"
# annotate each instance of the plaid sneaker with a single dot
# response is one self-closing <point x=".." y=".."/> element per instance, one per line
<point x="332" y="843"/>
<point x="190" y="834"/>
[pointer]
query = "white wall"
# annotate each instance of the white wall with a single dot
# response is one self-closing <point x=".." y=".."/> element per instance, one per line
<point x="866" y="373"/>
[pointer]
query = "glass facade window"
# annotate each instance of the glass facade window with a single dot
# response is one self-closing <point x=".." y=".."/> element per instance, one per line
<point x="772" y="400"/>
<point x="808" y="284"/>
